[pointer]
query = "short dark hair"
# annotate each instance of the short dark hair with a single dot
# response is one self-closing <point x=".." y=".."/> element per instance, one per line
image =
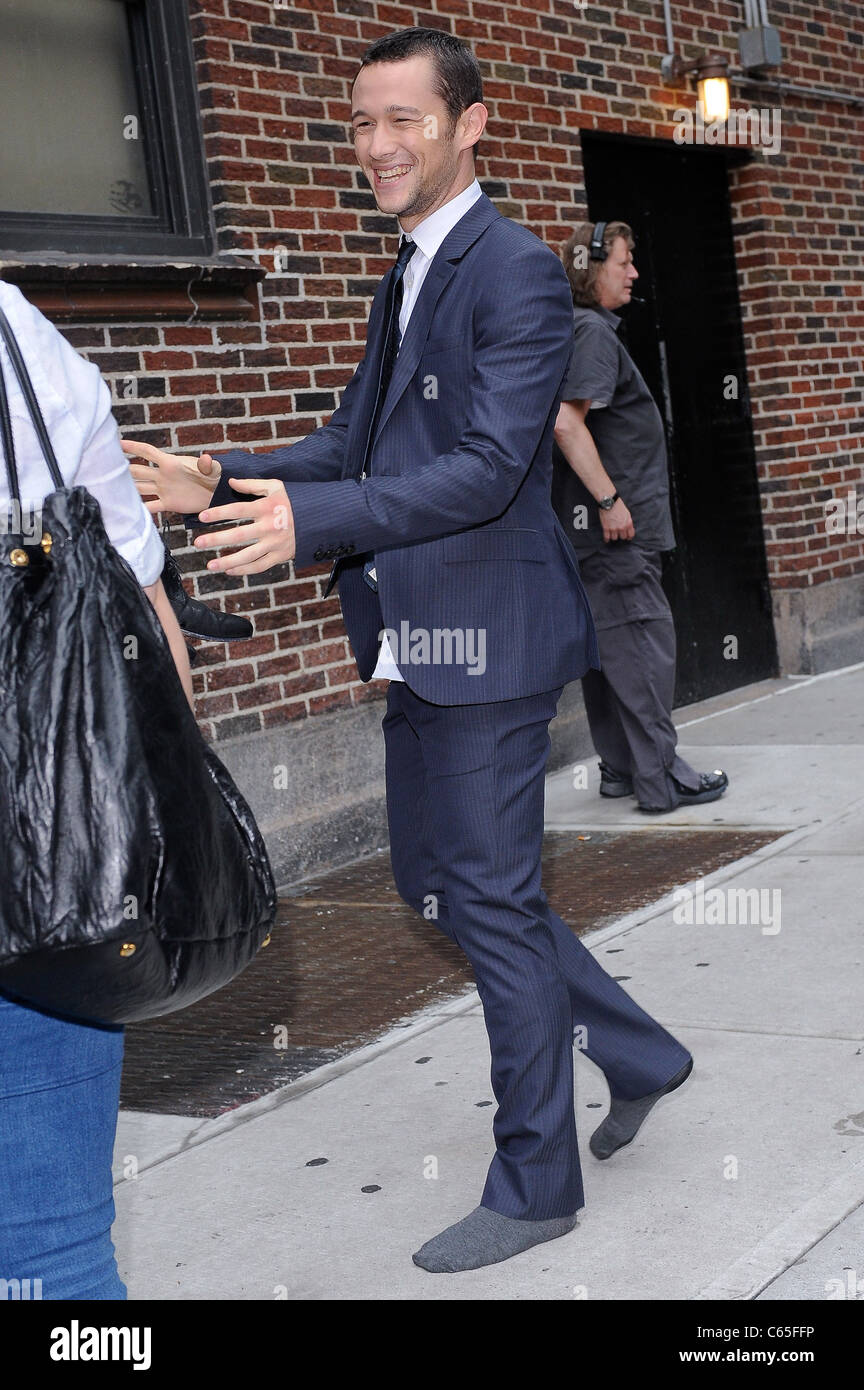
<point x="457" y="73"/>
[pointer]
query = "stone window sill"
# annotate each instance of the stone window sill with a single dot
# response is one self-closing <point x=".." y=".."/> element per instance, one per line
<point x="66" y="287"/>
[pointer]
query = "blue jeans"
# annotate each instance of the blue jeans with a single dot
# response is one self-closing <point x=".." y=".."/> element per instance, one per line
<point x="59" y="1093"/>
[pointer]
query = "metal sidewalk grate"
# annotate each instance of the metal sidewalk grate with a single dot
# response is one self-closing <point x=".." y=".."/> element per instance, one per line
<point x="348" y="960"/>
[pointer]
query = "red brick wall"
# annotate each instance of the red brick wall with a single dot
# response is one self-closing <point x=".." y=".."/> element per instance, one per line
<point x="274" y="86"/>
<point x="800" y="247"/>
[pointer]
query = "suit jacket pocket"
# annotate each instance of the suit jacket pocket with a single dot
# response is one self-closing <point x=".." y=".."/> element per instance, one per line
<point x="433" y="345"/>
<point x="500" y="544"/>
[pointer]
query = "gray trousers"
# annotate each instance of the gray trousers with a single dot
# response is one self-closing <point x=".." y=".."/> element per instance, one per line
<point x="629" y="701"/>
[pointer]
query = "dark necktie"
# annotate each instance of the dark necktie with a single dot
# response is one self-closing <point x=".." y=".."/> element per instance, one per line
<point x="395" y="296"/>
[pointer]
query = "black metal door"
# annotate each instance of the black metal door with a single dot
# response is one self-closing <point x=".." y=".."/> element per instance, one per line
<point x="686" y="340"/>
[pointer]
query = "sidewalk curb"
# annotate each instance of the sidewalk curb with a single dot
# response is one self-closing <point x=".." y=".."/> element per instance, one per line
<point x="788" y="1242"/>
<point x="785" y="841"/>
<point x="795" y="683"/>
<point x="418" y="1024"/>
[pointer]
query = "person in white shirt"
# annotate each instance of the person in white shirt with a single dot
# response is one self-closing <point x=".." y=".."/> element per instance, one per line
<point x="60" y="1079"/>
<point x="76" y="406"/>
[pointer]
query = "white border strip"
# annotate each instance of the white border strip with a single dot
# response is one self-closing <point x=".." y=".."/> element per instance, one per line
<point x="796" y="683"/>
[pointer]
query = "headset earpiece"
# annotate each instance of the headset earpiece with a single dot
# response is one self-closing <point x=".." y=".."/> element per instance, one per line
<point x="597" y="250"/>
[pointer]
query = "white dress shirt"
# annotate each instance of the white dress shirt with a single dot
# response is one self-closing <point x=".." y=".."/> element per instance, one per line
<point x="76" y="406"/>
<point x="428" y="235"/>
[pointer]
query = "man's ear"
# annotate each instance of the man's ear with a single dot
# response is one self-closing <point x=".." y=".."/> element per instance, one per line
<point x="473" y="123"/>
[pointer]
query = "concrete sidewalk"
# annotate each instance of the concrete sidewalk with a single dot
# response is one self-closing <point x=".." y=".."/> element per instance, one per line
<point x="323" y="1189"/>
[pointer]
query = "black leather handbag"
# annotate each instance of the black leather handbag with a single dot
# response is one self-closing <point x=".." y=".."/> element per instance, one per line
<point x="134" y="878"/>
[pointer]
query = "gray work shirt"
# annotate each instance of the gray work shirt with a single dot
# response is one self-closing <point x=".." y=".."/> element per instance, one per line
<point x="627" y="429"/>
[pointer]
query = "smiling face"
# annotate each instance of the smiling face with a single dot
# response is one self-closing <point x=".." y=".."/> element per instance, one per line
<point x="411" y="152"/>
<point x="614" y="285"/>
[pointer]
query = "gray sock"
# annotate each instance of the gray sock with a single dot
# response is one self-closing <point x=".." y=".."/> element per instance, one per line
<point x="485" y="1238"/>
<point x="625" y="1117"/>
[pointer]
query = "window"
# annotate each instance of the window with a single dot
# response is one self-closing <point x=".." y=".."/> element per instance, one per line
<point x="101" y="150"/>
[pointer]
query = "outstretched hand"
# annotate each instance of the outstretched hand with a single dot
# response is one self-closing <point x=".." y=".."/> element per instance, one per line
<point x="267" y="539"/>
<point x="168" y="482"/>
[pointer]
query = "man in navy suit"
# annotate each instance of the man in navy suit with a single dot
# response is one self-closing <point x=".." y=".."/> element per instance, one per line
<point x="430" y="489"/>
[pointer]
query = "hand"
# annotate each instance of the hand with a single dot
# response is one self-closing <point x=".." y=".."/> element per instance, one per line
<point x="173" y="484"/>
<point x="268" y="537"/>
<point x="617" y="523"/>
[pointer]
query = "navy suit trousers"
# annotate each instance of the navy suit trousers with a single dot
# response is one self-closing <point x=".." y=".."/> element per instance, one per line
<point x="465" y="800"/>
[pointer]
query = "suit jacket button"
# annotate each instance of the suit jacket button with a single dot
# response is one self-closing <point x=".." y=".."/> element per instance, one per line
<point x="320" y="554"/>
<point x="349" y="549"/>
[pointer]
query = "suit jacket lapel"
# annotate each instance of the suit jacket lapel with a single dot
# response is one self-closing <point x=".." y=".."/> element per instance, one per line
<point x="362" y="414"/>
<point x="438" y="276"/>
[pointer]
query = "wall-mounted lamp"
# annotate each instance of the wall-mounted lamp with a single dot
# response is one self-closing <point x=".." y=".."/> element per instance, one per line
<point x="711" y="71"/>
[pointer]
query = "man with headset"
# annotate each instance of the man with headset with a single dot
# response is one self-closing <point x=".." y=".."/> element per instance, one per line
<point x="611" y="492"/>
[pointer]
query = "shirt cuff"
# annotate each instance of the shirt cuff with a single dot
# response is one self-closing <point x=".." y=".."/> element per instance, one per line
<point x="222" y="495"/>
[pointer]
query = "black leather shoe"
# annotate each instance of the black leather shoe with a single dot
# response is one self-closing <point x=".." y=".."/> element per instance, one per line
<point x="614" y="783"/>
<point x="712" y="785"/>
<point x="197" y="618"/>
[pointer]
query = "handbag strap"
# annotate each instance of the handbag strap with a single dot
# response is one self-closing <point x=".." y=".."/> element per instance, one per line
<point x="8" y="443"/>
<point x="20" y="369"/>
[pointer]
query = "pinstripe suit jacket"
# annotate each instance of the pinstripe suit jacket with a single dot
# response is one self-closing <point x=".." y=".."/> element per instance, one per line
<point x="456" y="507"/>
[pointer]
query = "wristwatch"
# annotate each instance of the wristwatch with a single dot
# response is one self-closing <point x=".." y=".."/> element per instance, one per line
<point x="606" y="503"/>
